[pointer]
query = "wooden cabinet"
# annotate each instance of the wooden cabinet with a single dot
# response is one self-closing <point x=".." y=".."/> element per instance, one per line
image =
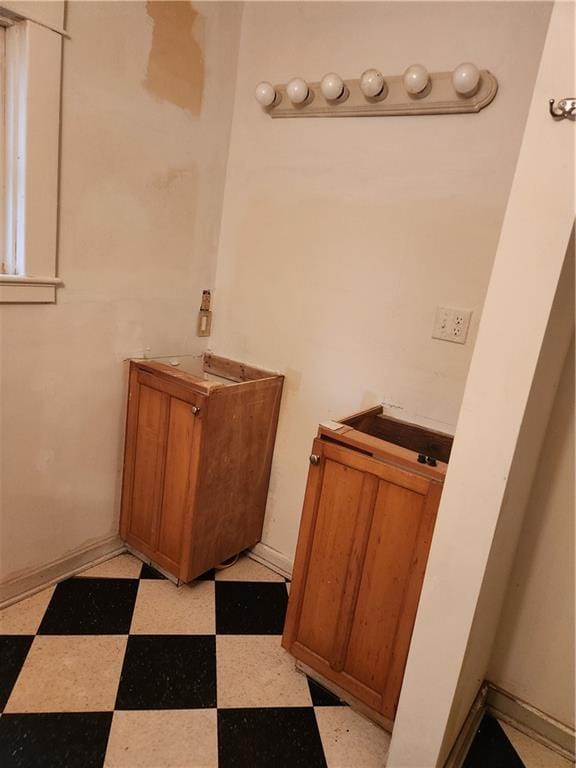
<point x="373" y="491"/>
<point x="198" y="452"/>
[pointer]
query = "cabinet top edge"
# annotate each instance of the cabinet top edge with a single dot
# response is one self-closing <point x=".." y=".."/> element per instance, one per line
<point x="206" y="373"/>
<point x="391" y="439"/>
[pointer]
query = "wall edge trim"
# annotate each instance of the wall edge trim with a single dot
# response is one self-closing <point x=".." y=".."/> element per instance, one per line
<point x="271" y="558"/>
<point x="36" y="579"/>
<point x="531" y="721"/>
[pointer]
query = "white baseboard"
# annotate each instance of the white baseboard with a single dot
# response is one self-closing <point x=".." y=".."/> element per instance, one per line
<point x="36" y="579"/>
<point x="531" y="721"/>
<point x="271" y="558"/>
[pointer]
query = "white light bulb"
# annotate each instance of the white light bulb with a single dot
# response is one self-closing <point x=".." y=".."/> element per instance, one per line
<point x="371" y="83"/>
<point x="297" y="90"/>
<point x="465" y="79"/>
<point x="332" y="86"/>
<point x="416" y="78"/>
<point x="265" y="93"/>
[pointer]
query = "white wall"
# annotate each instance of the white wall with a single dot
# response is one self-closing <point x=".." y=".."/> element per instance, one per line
<point x="533" y="656"/>
<point x="141" y="190"/>
<point x="340" y="237"/>
<point x="507" y="403"/>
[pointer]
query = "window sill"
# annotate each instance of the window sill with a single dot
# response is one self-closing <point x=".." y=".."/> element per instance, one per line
<point x="17" y="289"/>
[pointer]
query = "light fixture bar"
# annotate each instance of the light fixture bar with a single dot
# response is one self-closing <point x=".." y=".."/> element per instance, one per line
<point x="439" y="97"/>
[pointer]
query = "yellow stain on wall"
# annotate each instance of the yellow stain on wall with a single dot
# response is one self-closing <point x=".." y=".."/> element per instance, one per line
<point x="175" y="70"/>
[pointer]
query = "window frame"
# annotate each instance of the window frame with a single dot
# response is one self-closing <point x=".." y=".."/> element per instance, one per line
<point x="31" y="122"/>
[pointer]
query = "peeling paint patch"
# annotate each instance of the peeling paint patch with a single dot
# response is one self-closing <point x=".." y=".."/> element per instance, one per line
<point x="175" y="70"/>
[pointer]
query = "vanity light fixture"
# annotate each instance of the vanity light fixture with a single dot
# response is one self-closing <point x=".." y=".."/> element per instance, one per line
<point x="465" y="79"/>
<point x="332" y="86"/>
<point x="416" y="78"/>
<point x="265" y="93"/>
<point x="297" y="90"/>
<point x="465" y="89"/>
<point x="371" y="83"/>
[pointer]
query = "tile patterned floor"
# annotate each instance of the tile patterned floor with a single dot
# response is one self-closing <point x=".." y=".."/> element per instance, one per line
<point x="499" y="745"/>
<point x="120" y="668"/>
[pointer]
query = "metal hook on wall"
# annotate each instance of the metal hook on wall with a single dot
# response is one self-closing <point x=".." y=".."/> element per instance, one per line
<point x="566" y="108"/>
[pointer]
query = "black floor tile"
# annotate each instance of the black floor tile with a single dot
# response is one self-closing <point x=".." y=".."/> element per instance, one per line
<point x="62" y="740"/>
<point x="322" y="697"/>
<point x="283" y="737"/>
<point x="491" y="748"/>
<point x="250" y="607"/>
<point x="206" y="576"/>
<point x="168" y="672"/>
<point x="90" y="607"/>
<point x="13" y="652"/>
<point x="148" y="572"/>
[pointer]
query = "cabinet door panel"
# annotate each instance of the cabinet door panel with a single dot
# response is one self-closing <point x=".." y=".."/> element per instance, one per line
<point x="387" y="570"/>
<point x="338" y="510"/>
<point x="175" y="502"/>
<point x="148" y="464"/>
<point x="362" y="551"/>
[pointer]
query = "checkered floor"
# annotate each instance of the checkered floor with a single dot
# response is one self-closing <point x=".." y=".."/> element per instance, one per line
<point x="118" y="667"/>
<point x="499" y="745"/>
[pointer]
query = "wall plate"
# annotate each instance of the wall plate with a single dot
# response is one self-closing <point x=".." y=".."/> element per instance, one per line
<point x="451" y="324"/>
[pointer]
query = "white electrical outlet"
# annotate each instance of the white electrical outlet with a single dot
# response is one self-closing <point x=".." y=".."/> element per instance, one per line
<point x="451" y="324"/>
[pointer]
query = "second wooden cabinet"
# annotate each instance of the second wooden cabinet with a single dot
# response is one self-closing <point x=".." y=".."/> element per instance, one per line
<point x="371" y="500"/>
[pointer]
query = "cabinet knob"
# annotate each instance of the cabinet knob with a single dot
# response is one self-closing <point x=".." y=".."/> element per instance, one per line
<point x="315" y="459"/>
<point x="195" y="410"/>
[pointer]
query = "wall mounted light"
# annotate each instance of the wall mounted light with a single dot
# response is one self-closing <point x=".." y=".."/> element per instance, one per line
<point x="297" y="90"/>
<point x="465" y="79"/>
<point x="416" y="79"/>
<point x="371" y="83"/>
<point x="265" y="93"/>
<point x="332" y="86"/>
<point x="415" y="92"/>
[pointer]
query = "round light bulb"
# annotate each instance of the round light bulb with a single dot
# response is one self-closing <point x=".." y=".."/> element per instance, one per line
<point x="416" y="78"/>
<point x="332" y="86"/>
<point x="465" y="78"/>
<point x="297" y="90"/>
<point x="371" y="83"/>
<point x="265" y="93"/>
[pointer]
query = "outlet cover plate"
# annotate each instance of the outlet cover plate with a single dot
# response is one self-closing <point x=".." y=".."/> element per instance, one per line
<point x="451" y="324"/>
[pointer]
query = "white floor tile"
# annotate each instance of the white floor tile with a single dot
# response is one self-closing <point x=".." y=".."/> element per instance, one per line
<point x="532" y="753"/>
<point x="350" y="740"/>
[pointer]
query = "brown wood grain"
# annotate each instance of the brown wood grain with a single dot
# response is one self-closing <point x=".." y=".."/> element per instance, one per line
<point x="356" y="563"/>
<point x="146" y="497"/>
<point x="340" y="506"/>
<point x="364" y="539"/>
<point x="411" y="599"/>
<point x="176" y="477"/>
<point x="382" y="595"/>
<point x="197" y="463"/>
<point x="304" y="547"/>
<point x="129" y="449"/>
<point x="239" y="431"/>
<point x="234" y="370"/>
<point x="385" y="450"/>
<point x="405" y="434"/>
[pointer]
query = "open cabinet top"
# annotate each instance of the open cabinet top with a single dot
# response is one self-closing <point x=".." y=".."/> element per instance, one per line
<point x="206" y="372"/>
<point x="403" y="443"/>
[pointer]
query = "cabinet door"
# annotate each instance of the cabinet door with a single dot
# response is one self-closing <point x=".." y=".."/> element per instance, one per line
<point x="362" y="551"/>
<point x="146" y="438"/>
<point x="176" y="492"/>
<point x="157" y="493"/>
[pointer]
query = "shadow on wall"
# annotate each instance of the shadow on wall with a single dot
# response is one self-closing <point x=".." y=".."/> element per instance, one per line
<point x="175" y="70"/>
